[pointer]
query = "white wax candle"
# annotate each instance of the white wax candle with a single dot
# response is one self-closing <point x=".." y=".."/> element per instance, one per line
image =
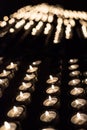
<point x="76" y="91"/>
<point x="25" y="86"/>
<point x="73" y="67"/>
<point x="52" y="79"/>
<point x="72" y="61"/>
<point x="29" y="77"/>
<point x="50" y="101"/>
<point x="15" y="111"/>
<point x="52" y="89"/>
<point x="8" y="126"/>
<point x="32" y="69"/>
<point x="79" y="119"/>
<point x="48" y="116"/>
<point x="4" y="73"/>
<point x="12" y="66"/>
<point x="74" y="82"/>
<point x="78" y="103"/>
<point x="23" y="96"/>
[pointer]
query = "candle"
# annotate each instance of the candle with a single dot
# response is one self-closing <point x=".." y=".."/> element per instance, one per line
<point x="72" y="61"/>
<point x="84" y="81"/>
<point x="74" y="73"/>
<point x="4" y="83"/>
<point x="15" y="112"/>
<point x="48" y="116"/>
<point x="50" y="101"/>
<point x="12" y="66"/>
<point x="74" y="82"/>
<point x="79" y="119"/>
<point x="8" y="126"/>
<point x="32" y="69"/>
<point x="52" y="80"/>
<point x="36" y="63"/>
<point x="73" y="67"/>
<point x="79" y="103"/>
<point x="26" y="87"/>
<point x="5" y="74"/>
<point x="23" y="97"/>
<point x="77" y="91"/>
<point x="85" y="74"/>
<point x="53" y="89"/>
<point x="30" y="77"/>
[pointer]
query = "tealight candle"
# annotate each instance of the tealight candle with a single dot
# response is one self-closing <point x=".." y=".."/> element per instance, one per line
<point x="4" y="83"/>
<point x="79" y="103"/>
<point x="26" y="87"/>
<point x="77" y="91"/>
<point x="48" y="116"/>
<point x="49" y="128"/>
<point x="79" y="119"/>
<point x="53" y="89"/>
<point x="74" y="82"/>
<point x="74" y="73"/>
<point x="12" y="66"/>
<point x="30" y="77"/>
<point x="24" y="97"/>
<point x="5" y="74"/>
<point x="15" y="112"/>
<point x="73" y="67"/>
<point x="85" y="81"/>
<point x="50" y="101"/>
<point x="72" y="61"/>
<point x="52" y="80"/>
<point x="36" y="63"/>
<point x="32" y="69"/>
<point x="8" y="126"/>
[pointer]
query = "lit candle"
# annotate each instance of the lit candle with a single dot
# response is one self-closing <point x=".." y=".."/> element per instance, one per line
<point x="77" y="91"/>
<point x="73" y="67"/>
<point x="85" y="81"/>
<point x="26" y="86"/>
<point x="15" y="112"/>
<point x="74" y="73"/>
<point x="79" y="119"/>
<point x="32" y="69"/>
<point x="79" y="103"/>
<point x="12" y="66"/>
<point x="72" y="61"/>
<point x="48" y="128"/>
<point x="48" y="116"/>
<point x="8" y="126"/>
<point x="4" y="82"/>
<point x="53" y="89"/>
<point x="52" y="79"/>
<point x="23" y="97"/>
<point x="36" y="63"/>
<point x="5" y="74"/>
<point x="74" y="82"/>
<point x="30" y="77"/>
<point x="50" y="101"/>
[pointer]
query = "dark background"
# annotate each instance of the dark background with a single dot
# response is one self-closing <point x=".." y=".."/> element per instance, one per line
<point x="9" y="6"/>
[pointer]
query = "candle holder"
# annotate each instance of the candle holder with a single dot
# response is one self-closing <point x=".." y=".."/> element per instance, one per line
<point x="77" y="92"/>
<point x="53" y="90"/>
<point x="79" y="104"/>
<point x="51" y="102"/>
<point x="75" y="74"/>
<point x="10" y="126"/>
<point x="49" y="117"/>
<point x="17" y="113"/>
<point x="30" y="78"/>
<point x="79" y="120"/>
<point x="73" y="61"/>
<point x="23" y="98"/>
<point x="73" y="67"/>
<point x="74" y="82"/>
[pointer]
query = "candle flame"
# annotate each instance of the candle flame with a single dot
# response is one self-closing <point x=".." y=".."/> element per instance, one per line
<point x="28" y="76"/>
<point x="50" y="98"/>
<point x="52" y="86"/>
<point x="12" y="64"/>
<point x="47" y="113"/>
<point x="78" y="115"/>
<point x="30" y="67"/>
<point x="4" y="71"/>
<point x="21" y="94"/>
<point x="51" y="77"/>
<point x="7" y="125"/>
<point x="24" y="84"/>
<point x="77" y="102"/>
<point x="14" y="108"/>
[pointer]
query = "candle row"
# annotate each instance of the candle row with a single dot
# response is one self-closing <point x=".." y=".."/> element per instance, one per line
<point x="6" y="75"/>
<point x="17" y="113"/>
<point x="79" y="104"/>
